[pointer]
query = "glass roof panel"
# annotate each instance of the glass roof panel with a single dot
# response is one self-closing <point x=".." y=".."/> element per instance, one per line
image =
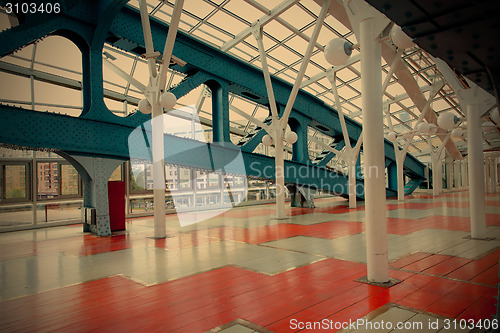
<point x="216" y="22"/>
<point x="297" y="17"/>
<point x="244" y="10"/>
<point x="198" y="8"/>
<point x="227" y="22"/>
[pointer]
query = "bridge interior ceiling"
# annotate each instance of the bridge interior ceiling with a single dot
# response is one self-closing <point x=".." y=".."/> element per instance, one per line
<point x="47" y="75"/>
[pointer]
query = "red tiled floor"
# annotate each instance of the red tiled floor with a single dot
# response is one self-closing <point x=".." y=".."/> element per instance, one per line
<point x="425" y="263"/>
<point x="409" y="259"/>
<point x="445" y="285"/>
<point x="489" y="276"/>
<point x="258" y="235"/>
<point x="447" y="266"/>
<point x="474" y="268"/>
<point x="483" y="308"/>
<point x="451" y="305"/>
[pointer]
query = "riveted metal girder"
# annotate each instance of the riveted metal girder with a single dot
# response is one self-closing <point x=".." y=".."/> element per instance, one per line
<point x="100" y="133"/>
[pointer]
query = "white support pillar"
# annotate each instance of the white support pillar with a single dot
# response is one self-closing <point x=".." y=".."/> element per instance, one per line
<point x="476" y="172"/>
<point x="493" y="175"/>
<point x="486" y="176"/>
<point x="373" y="134"/>
<point x="456" y="173"/>
<point x="399" y="170"/>
<point x="437" y="176"/>
<point x="449" y="173"/>
<point x="34" y="187"/>
<point x="160" y="230"/>
<point x="352" y="182"/>
<point x="279" y="173"/>
<point x="464" y="173"/>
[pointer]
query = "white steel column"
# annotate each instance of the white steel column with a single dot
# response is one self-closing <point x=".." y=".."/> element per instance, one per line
<point x="280" y="172"/>
<point x="456" y="179"/>
<point x="476" y="172"/>
<point x="493" y="175"/>
<point x="400" y="175"/>
<point x="352" y="182"/>
<point x="34" y="188"/>
<point x="449" y="173"/>
<point x="437" y="176"/>
<point x="464" y="173"/>
<point x="278" y="125"/>
<point x="373" y="134"/>
<point x="160" y="230"/>
<point x="486" y="176"/>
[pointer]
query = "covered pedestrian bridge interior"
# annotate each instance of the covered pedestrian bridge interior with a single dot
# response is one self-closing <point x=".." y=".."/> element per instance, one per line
<point x="279" y="163"/>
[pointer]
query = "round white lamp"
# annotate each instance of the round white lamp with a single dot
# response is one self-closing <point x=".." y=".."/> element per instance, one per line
<point x="458" y="133"/>
<point x="267" y="140"/>
<point x="495" y="116"/>
<point x="168" y="100"/>
<point x="432" y="128"/>
<point x="392" y="136"/>
<point x="144" y="106"/>
<point x="291" y="137"/>
<point x="338" y="51"/>
<point x="424" y="127"/>
<point x="447" y="120"/>
<point x="400" y="39"/>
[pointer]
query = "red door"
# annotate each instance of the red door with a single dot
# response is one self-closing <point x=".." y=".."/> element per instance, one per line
<point x="116" y="196"/>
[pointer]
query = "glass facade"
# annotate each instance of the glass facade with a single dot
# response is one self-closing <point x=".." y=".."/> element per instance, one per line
<point x="42" y="187"/>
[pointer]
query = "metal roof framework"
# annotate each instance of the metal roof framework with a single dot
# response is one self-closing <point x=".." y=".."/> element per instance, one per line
<point x="51" y="71"/>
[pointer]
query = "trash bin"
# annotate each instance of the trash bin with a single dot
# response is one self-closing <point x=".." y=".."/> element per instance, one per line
<point x="116" y="196"/>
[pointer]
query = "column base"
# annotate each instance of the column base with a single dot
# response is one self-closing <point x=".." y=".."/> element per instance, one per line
<point x="388" y="284"/>
<point x="483" y="239"/>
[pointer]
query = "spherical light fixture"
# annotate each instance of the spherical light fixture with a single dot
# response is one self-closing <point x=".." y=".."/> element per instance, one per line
<point x="392" y="136"/>
<point x="432" y="128"/>
<point x="168" y="100"/>
<point x="495" y="116"/>
<point x="400" y="39"/>
<point x="424" y="127"/>
<point x="291" y="137"/>
<point x="144" y="106"/>
<point x="447" y="120"/>
<point x="338" y="51"/>
<point x="267" y="140"/>
<point x="458" y="133"/>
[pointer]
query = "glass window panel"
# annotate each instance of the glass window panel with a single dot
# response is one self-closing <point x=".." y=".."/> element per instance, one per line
<point x="117" y="174"/>
<point x="213" y="179"/>
<point x="244" y="10"/>
<point x="198" y="8"/>
<point x="284" y="55"/>
<point x="206" y="36"/>
<point x="13" y="87"/>
<point x="69" y="180"/>
<point x="59" y="51"/>
<point x="171" y="175"/>
<point x="184" y="178"/>
<point x="48" y="180"/>
<point x="277" y="30"/>
<point x="15" y="182"/>
<point x="50" y="93"/>
<point x="201" y="180"/>
<point x="14" y="153"/>
<point x="137" y="177"/>
<point x="148" y="175"/>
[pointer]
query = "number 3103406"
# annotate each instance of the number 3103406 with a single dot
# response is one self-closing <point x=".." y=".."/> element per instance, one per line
<point x="33" y="8"/>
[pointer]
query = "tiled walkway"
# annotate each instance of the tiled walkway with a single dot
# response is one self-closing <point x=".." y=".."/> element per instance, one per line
<point x="245" y="272"/>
